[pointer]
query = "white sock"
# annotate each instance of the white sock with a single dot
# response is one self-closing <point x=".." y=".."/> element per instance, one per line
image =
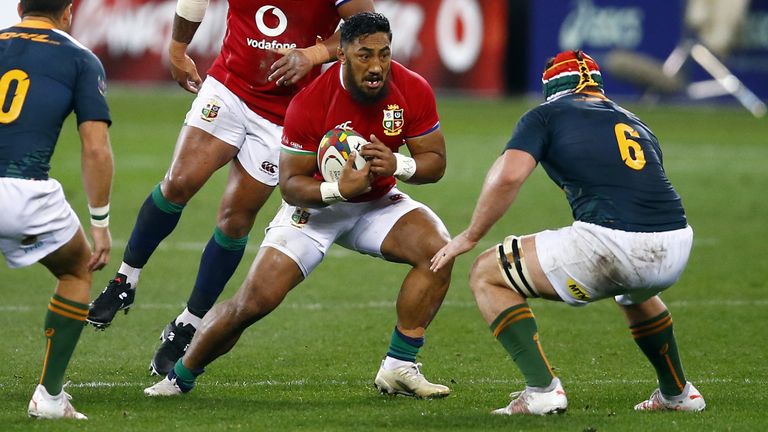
<point x="681" y="396"/>
<point x="555" y="381"/>
<point x="131" y="274"/>
<point x="393" y="363"/>
<point x="187" y="317"/>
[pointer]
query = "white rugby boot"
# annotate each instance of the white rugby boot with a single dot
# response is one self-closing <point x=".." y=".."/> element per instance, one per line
<point x="536" y="403"/>
<point x="166" y="387"/>
<point x="408" y="380"/>
<point x="689" y="400"/>
<point x="44" y="406"/>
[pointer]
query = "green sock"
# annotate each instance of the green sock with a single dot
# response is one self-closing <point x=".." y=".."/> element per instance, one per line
<point x="516" y="329"/>
<point x="63" y="325"/>
<point x="185" y="377"/>
<point x="403" y="347"/>
<point x="656" y="340"/>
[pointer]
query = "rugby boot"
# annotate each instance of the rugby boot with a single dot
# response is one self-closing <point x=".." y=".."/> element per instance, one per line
<point x="44" y="406"/>
<point x="170" y="385"/>
<point x="408" y="380"/>
<point x="118" y="295"/>
<point x="175" y="340"/>
<point x="689" y="400"/>
<point x="536" y="403"/>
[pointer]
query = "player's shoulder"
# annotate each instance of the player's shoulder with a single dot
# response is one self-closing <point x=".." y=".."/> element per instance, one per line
<point x="406" y="77"/>
<point x="74" y="45"/>
<point x="321" y="87"/>
<point x="63" y="47"/>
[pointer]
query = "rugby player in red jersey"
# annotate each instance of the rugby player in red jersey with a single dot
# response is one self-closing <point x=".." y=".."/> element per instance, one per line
<point x="368" y="92"/>
<point x="236" y="119"/>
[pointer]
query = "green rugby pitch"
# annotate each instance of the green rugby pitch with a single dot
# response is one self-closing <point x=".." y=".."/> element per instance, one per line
<point x="310" y="365"/>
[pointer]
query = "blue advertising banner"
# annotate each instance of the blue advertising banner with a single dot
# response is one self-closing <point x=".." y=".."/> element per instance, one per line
<point x="652" y="27"/>
<point x="749" y="59"/>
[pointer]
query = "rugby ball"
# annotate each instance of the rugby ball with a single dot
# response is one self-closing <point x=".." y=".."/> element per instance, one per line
<point x="334" y="150"/>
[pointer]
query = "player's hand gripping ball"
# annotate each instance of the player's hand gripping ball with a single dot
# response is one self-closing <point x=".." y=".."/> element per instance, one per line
<point x="334" y="150"/>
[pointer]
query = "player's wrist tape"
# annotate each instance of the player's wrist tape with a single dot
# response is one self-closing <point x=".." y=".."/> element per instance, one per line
<point x="99" y="216"/>
<point x="317" y="54"/>
<point x="406" y="167"/>
<point x="330" y="192"/>
<point x="192" y="10"/>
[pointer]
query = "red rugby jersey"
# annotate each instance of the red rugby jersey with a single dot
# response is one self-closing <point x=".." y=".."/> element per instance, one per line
<point x="255" y="26"/>
<point x="408" y="111"/>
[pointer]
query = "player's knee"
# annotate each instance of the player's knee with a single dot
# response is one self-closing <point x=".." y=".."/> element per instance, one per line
<point x="482" y="271"/>
<point x="235" y="223"/>
<point x="252" y="308"/>
<point x="178" y="188"/>
<point x="427" y="246"/>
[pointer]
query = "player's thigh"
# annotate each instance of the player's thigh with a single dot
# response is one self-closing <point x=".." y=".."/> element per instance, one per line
<point x="514" y="264"/>
<point x="272" y="275"/>
<point x="586" y="262"/>
<point x="36" y="220"/>
<point x="243" y="198"/>
<point x="306" y="234"/>
<point x="657" y="260"/>
<point x="398" y="229"/>
<point x="214" y="132"/>
<point x="260" y="153"/>
<point x="71" y="259"/>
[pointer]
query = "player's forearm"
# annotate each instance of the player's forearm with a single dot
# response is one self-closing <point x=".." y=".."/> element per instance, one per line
<point x="497" y="195"/>
<point x="183" y="32"/>
<point x="302" y="191"/>
<point x="430" y="167"/>
<point x="330" y="46"/>
<point x="491" y="206"/>
<point x="348" y="9"/>
<point x="97" y="162"/>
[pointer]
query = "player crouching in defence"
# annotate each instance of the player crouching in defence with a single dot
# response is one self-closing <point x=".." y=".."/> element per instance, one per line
<point x="363" y="211"/>
<point x="630" y="239"/>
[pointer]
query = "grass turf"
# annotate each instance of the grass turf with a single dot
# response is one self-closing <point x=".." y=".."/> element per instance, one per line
<point x="310" y="364"/>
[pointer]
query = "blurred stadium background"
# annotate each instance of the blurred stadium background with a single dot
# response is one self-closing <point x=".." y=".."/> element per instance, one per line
<point x="309" y="366"/>
<point x="478" y="47"/>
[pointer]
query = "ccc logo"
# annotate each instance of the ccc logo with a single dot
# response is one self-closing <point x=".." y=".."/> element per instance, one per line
<point x="269" y="167"/>
<point x="282" y="21"/>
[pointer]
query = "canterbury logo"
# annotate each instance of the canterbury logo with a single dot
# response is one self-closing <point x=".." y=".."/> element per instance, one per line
<point x="269" y="167"/>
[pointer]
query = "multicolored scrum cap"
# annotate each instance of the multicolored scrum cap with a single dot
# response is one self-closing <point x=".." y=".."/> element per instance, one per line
<point x="570" y="72"/>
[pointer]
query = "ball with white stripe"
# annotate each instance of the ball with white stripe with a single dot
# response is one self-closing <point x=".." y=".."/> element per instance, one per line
<point x="335" y="147"/>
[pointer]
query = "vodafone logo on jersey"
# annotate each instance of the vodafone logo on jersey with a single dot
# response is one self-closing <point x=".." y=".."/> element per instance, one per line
<point x="282" y="21"/>
<point x="270" y="29"/>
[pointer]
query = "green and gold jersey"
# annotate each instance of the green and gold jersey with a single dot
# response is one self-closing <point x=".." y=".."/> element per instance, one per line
<point x="607" y="161"/>
<point x="45" y="74"/>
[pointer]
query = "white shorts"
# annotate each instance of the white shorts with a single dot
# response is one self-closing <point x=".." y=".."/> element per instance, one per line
<point x="306" y="234"/>
<point x="586" y="262"/>
<point x="224" y="115"/>
<point x="35" y="220"/>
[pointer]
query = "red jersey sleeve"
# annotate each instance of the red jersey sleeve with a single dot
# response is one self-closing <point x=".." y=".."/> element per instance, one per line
<point x="421" y="101"/>
<point x="300" y="128"/>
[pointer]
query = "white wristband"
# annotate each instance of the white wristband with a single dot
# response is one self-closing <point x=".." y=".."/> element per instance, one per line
<point x="330" y="192"/>
<point x="406" y="167"/>
<point x="100" y="223"/>
<point x="192" y="10"/>
<point x="99" y="216"/>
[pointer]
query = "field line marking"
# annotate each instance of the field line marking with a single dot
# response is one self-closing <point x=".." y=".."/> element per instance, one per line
<point x="479" y="381"/>
<point x="390" y="304"/>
